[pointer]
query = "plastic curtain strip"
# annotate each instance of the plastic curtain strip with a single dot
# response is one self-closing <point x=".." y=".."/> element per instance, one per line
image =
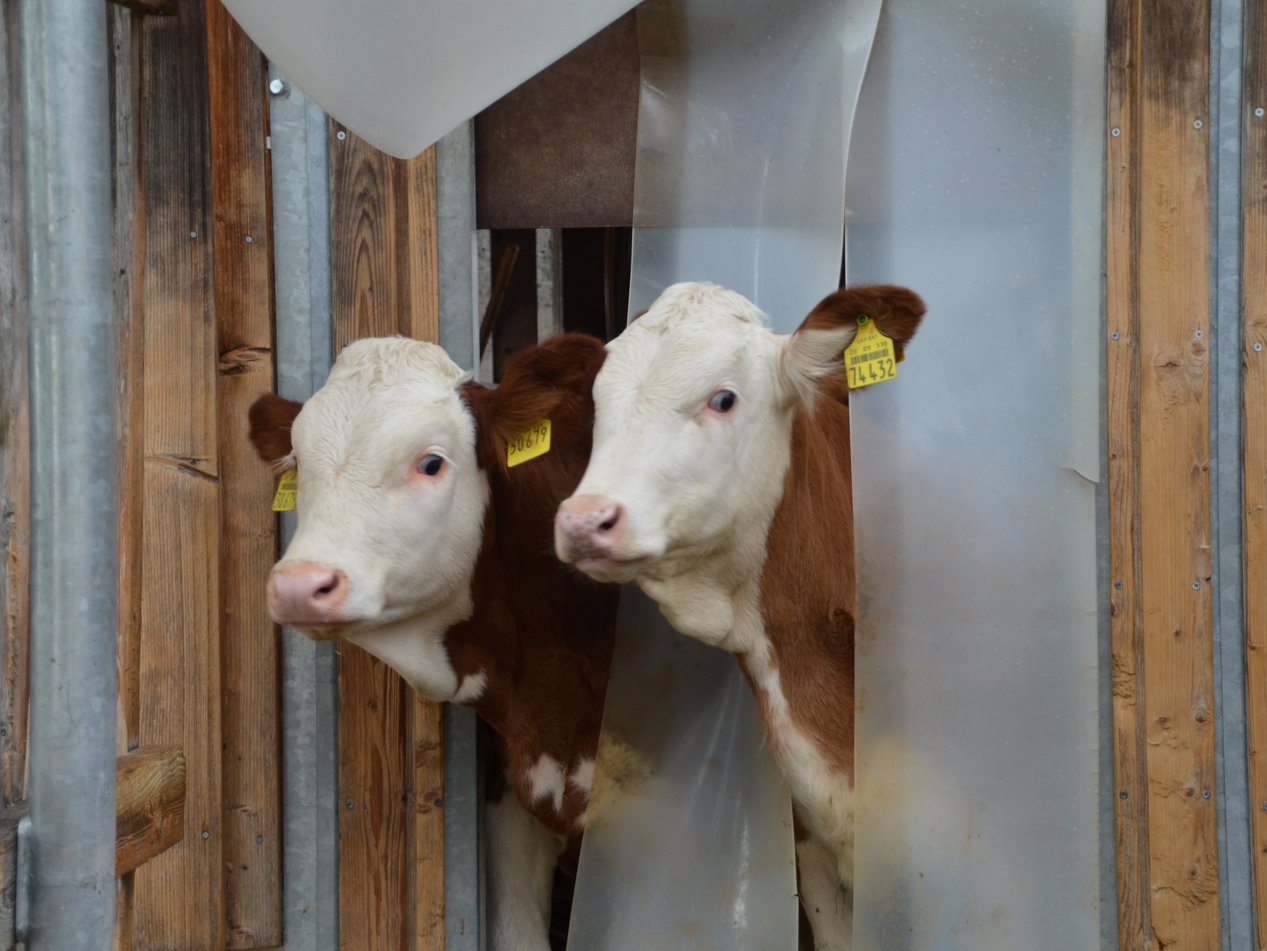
<point x="976" y="179"/>
<point x="742" y="134"/>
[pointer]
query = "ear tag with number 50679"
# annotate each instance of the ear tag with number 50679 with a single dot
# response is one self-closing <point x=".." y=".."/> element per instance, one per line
<point x="870" y="358"/>
<point x="532" y="442"/>
<point x="284" y="500"/>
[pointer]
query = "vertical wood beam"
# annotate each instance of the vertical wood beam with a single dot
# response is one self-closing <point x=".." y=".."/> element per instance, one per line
<point x="15" y="456"/>
<point x="384" y="267"/>
<point x="250" y="642"/>
<point x="1254" y="431"/>
<point x="1159" y="470"/>
<point x="179" y="895"/>
<point x="1126" y="617"/>
<point x="129" y="269"/>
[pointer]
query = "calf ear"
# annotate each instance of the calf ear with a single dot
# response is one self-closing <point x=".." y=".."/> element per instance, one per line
<point x="552" y="380"/>
<point x="271" y="418"/>
<point x="814" y="354"/>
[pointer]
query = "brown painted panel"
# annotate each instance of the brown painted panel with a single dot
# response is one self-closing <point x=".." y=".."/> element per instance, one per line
<point x="179" y="895"/>
<point x="249" y="641"/>
<point x="1254" y="403"/>
<point x="558" y="151"/>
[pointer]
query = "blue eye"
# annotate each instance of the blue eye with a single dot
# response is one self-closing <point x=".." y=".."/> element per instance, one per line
<point x="431" y="464"/>
<point x="723" y="401"/>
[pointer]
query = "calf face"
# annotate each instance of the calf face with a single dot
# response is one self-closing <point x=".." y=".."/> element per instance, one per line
<point x="391" y="498"/>
<point x="693" y="421"/>
<point x="392" y="457"/>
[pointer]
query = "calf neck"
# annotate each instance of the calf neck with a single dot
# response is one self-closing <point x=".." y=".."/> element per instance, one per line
<point x="719" y="481"/>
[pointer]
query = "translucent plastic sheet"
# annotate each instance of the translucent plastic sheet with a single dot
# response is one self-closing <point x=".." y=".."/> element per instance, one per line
<point x="976" y="179"/>
<point x="743" y="129"/>
<point x="402" y="73"/>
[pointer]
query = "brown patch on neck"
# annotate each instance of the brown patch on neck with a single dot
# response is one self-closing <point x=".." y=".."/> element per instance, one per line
<point x="541" y="631"/>
<point x="807" y="584"/>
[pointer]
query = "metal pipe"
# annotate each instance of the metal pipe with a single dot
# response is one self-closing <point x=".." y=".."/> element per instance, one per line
<point x="74" y="684"/>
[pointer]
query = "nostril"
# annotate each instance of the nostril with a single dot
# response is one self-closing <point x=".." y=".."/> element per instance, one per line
<point x="610" y="522"/>
<point x="328" y="588"/>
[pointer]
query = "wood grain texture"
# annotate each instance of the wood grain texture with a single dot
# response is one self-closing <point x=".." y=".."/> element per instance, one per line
<point x="1122" y="365"/>
<point x="128" y="269"/>
<point x="9" y="818"/>
<point x="250" y="643"/>
<point x="14" y="430"/>
<point x="1174" y="485"/>
<point x="150" y="805"/>
<point x="179" y="895"/>
<point x="383" y="264"/>
<point x="1254" y="430"/>
<point x="428" y="767"/>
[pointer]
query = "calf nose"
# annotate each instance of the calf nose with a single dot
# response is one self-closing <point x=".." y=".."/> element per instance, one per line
<point x="588" y="526"/>
<point x="305" y="593"/>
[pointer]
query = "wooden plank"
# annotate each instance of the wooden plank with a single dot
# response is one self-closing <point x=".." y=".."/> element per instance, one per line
<point x="1254" y="431"/>
<point x="1174" y="486"/>
<point x="515" y="323"/>
<point x="149" y="805"/>
<point x="250" y="643"/>
<point x="14" y="429"/>
<point x="382" y="247"/>
<point x="9" y="818"/>
<point x="128" y="261"/>
<point x="179" y="895"/>
<point x="428" y="749"/>
<point x="1126" y="609"/>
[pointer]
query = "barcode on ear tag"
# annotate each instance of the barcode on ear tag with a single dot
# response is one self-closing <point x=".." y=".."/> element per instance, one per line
<point x="870" y="358"/>
<point x="532" y="442"/>
<point x="284" y="499"/>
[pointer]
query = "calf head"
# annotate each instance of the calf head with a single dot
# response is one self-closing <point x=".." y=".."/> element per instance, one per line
<point x="693" y="420"/>
<point x="392" y="457"/>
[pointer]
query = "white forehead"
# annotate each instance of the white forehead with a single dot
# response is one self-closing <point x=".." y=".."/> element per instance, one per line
<point x="691" y="331"/>
<point x="381" y="384"/>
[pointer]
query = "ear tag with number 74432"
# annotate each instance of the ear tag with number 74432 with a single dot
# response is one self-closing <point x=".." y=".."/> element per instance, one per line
<point x="870" y="358"/>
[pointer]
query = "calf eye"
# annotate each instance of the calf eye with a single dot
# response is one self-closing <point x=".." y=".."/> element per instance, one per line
<point x="723" y="401"/>
<point x="430" y="465"/>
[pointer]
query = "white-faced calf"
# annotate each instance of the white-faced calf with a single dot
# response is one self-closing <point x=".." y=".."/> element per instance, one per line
<point x="417" y="542"/>
<point x="720" y="482"/>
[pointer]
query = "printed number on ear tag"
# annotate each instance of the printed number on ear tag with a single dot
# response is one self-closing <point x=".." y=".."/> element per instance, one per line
<point x="284" y="500"/>
<point x="870" y="357"/>
<point x="532" y="442"/>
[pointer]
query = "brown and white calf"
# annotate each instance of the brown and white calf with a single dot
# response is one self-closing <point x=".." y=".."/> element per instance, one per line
<point x="720" y="482"/>
<point x="416" y="542"/>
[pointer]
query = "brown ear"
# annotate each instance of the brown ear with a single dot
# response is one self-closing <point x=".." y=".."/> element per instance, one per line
<point x="895" y="310"/>
<point x="812" y="357"/>
<point x="271" y="418"/>
<point x="552" y="380"/>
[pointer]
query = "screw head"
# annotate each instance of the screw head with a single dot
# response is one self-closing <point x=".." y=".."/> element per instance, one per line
<point x="1259" y="112"/>
<point x="250" y="239"/>
<point x="192" y="235"/>
<point x="1200" y="334"/>
<point x="1197" y="124"/>
<point x="1118" y="586"/>
<point x="1258" y="346"/>
<point x="1116" y="132"/>
<point x="277" y="87"/>
<point x="340" y="135"/>
<point x="348" y="804"/>
<point x="1196" y="586"/>
<point x="1205" y="794"/>
<point x="206" y="834"/>
<point x="1115" y="335"/>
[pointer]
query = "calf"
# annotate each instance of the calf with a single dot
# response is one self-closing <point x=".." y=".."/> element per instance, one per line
<point x="720" y="482"/>
<point x="418" y="543"/>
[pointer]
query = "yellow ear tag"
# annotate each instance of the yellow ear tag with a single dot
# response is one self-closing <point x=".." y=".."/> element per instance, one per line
<point x="284" y="500"/>
<point x="532" y="442"/>
<point x="870" y="357"/>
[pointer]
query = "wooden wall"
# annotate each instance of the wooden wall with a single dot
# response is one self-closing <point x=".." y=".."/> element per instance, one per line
<point x="1165" y="706"/>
